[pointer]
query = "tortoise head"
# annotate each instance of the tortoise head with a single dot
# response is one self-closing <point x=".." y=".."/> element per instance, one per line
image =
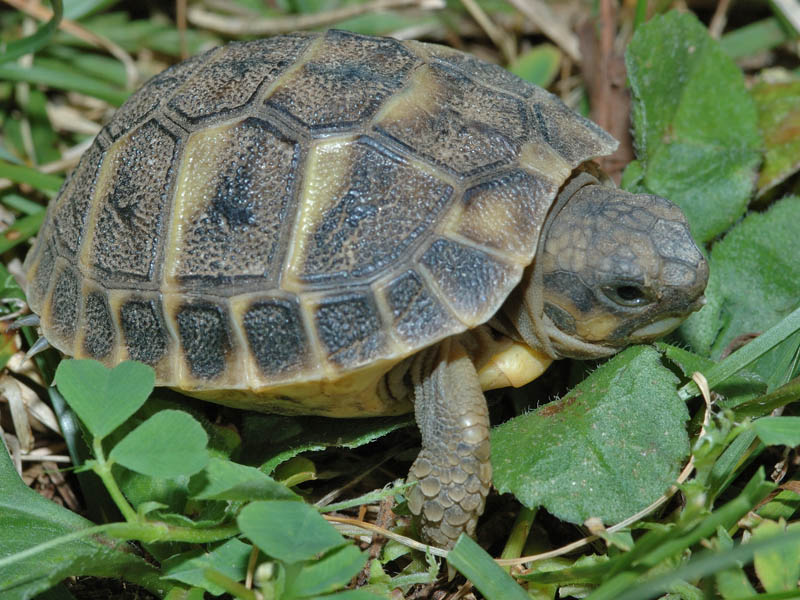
<point x="615" y="268"/>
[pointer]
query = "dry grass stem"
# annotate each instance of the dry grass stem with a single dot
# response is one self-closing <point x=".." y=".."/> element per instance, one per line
<point x="540" y="14"/>
<point x="42" y="13"/>
<point x="231" y="25"/>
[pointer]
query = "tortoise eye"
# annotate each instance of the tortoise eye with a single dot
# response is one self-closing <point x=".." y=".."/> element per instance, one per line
<point x="629" y="295"/>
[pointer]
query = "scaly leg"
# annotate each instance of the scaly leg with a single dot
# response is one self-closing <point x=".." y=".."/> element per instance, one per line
<point x="453" y="468"/>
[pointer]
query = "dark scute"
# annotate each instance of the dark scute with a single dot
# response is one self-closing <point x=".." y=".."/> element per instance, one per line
<point x="44" y="271"/>
<point x="232" y="77"/>
<point x="350" y="329"/>
<point x="100" y="335"/>
<point x="132" y="211"/>
<point x="205" y="338"/>
<point x="276" y="336"/>
<point x="418" y="314"/>
<point x="468" y="277"/>
<point x="460" y="125"/>
<point x="345" y="83"/>
<point x="144" y="330"/>
<point x="72" y="205"/>
<point x="237" y="233"/>
<point x="574" y="137"/>
<point x="153" y="93"/>
<point x="383" y="206"/>
<point x="65" y="304"/>
<point x="571" y="286"/>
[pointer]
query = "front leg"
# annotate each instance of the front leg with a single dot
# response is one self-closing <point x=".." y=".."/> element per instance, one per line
<point x="453" y="468"/>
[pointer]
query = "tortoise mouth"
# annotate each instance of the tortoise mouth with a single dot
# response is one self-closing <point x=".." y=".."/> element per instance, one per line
<point x="657" y="328"/>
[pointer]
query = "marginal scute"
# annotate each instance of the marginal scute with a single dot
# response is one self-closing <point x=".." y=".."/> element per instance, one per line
<point x="575" y="138"/>
<point x="231" y="78"/>
<point x="506" y="213"/>
<point x="418" y="316"/>
<point x="345" y="82"/>
<point x="99" y="335"/>
<point x="483" y="72"/>
<point x="457" y="124"/>
<point x="350" y="329"/>
<point x="357" y="219"/>
<point x="39" y="279"/>
<point x="131" y="202"/>
<point x="474" y="283"/>
<point x="143" y="330"/>
<point x="205" y="337"/>
<point x="231" y="202"/>
<point x="276" y="336"/>
<point x="154" y="93"/>
<point x="64" y="304"/>
<point x="74" y="201"/>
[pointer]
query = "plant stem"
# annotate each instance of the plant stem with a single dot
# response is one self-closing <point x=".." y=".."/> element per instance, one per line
<point x="103" y="469"/>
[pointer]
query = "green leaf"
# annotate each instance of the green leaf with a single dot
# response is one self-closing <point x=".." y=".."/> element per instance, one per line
<point x="23" y="174"/>
<point x="168" y="444"/>
<point x="21" y="230"/>
<point x="104" y="398"/>
<point x="229" y="558"/>
<point x="27" y="520"/>
<point x="779" y="119"/>
<point x="274" y="439"/>
<point x="65" y="80"/>
<point x="491" y="580"/>
<point x="777" y="568"/>
<point x="539" y="65"/>
<point x="287" y="530"/>
<point x="607" y="449"/>
<point x="695" y="125"/>
<point x="226" y="480"/>
<point x="754" y="281"/>
<point x="328" y="574"/>
<point x="778" y="431"/>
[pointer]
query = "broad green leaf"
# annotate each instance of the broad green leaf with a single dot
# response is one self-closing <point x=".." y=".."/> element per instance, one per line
<point x="104" y="398"/>
<point x="491" y="580"/>
<point x="226" y="480"/>
<point x="778" y="568"/>
<point x="778" y="431"/>
<point x="328" y="574"/>
<point x="754" y="281"/>
<point x="287" y="530"/>
<point x="27" y="519"/>
<point x="539" y="65"/>
<point x="695" y="125"/>
<point x="607" y="449"/>
<point x="230" y="559"/>
<point x="350" y="595"/>
<point x="779" y="119"/>
<point x="168" y="444"/>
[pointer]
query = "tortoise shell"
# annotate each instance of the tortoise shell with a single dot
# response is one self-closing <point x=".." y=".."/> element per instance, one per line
<point x="302" y="209"/>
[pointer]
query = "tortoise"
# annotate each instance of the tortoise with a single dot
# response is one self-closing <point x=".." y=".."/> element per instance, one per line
<point x="350" y="226"/>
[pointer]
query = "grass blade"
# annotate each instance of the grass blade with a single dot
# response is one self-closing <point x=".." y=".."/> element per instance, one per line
<point x="38" y="40"/>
